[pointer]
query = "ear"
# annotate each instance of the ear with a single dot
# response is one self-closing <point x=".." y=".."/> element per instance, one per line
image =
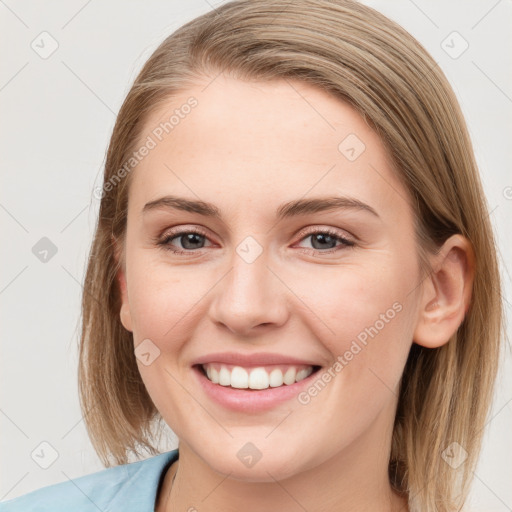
<point x="446" y="293"/>
<point x="124" y="313"/>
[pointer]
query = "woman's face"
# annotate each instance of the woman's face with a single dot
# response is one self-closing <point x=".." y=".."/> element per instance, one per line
<point x="273" y="280"/>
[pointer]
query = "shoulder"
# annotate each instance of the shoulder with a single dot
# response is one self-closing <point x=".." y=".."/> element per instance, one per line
<point x="127" y="487"/>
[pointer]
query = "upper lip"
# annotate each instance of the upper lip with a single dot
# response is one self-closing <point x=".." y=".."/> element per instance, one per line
<point x="259" y="358"/>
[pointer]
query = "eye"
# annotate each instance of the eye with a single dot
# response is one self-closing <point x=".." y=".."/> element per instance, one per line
<point x="322" y="239"/>
<point x="190" y="239"/>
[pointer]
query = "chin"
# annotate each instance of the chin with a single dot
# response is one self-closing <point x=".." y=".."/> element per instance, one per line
<point x="250" y="464"/>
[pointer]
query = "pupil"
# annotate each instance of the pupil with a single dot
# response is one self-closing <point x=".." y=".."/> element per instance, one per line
<point x="190" y="238"/>
<point x="322" y="238"/>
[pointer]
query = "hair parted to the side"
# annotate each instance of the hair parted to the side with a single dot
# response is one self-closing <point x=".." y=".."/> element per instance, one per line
<point x="362" y="57"/>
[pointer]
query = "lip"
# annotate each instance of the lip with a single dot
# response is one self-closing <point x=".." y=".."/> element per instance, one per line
<point x="249" y="360"/>
<point x="250" y="401"/>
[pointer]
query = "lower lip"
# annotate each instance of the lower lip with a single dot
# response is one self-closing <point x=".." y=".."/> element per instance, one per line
<point x="245" y="400"/>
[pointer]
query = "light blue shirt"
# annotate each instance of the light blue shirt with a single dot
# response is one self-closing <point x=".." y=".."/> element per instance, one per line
<point x="129" y="487"/>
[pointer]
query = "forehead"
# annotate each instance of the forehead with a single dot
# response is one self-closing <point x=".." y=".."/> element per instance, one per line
<point x="249" y="141"/>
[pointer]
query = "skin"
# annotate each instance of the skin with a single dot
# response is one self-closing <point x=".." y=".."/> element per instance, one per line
<point x="249" y="147"/>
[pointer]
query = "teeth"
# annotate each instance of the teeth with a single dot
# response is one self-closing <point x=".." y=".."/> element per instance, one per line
<point x="255" y="378"/>
<point x="239" y="378"/>
<point x="224" y="376"/>
<point x="289" y="376"/>
<point x="276" y="378"/>
<point x="258" y="378"/>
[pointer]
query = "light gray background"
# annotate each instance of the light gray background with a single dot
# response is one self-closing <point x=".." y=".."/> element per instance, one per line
<point x="57" y="115"/>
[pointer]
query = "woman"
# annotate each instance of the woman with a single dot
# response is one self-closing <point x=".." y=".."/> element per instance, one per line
<point x="332" y="341"/>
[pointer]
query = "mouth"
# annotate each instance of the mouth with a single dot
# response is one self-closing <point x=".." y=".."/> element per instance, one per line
<point x="255" y="378"/>
<point x="253" y="389"/>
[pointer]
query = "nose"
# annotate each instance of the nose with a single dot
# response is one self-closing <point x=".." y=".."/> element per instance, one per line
<point x="249" y="298"/>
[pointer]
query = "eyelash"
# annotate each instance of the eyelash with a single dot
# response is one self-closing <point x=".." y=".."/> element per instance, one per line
<point x="165" y="242"/>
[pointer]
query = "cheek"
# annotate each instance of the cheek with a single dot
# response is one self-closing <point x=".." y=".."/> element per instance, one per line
<point x="363" y="313"/>
<point x="162" y="298"/>
<point x="164" y="306"/>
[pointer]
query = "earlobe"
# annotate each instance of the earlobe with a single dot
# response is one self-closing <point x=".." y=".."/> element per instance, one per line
<point x="124" y="312"/>
<point x="126" y="318"/>
<point x="446" y="293"/>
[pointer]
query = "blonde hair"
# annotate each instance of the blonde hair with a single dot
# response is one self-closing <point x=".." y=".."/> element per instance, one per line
<point x="365" y="59"/>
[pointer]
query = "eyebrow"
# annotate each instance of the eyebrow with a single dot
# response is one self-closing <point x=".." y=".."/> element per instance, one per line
<point x="287" y="210"/>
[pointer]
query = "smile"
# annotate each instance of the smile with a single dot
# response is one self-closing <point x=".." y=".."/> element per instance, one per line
<point x="260" y="377"/>
<point x="260" y="388"/>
